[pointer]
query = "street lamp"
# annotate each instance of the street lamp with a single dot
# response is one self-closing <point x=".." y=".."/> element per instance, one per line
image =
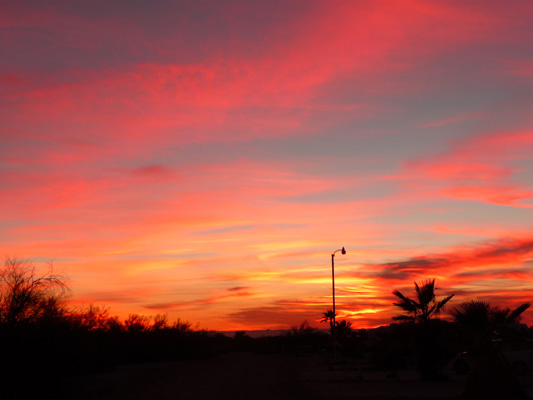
<point x="333" y="289"/>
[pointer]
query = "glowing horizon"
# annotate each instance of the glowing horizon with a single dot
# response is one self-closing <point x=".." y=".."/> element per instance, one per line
<point x="204" y="159"/>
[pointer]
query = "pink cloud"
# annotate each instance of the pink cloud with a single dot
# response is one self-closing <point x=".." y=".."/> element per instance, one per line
<point x="483" y="168"/>
<point x="139" y="99"/>
<point x="505" y="196"/>
<point x="521" y="68"/>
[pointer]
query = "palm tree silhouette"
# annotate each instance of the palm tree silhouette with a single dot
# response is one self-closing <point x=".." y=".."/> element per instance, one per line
<point x="343" y="329"/>
<point x="424" y="307"/>
<point x="484" y="322"/>
<point x="329" y="317"/>
<point x="481" y="323"/>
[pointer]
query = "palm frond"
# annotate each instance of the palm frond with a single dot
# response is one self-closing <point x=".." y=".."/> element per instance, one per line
<point x="426" y="292"/>
<point x="406" y="303"/>
<point x="431" y="310"/>
<point x="473" y="313"/>
<point x="427" y="305"/>
<point x="516" y="314"/>
<point x="441" y="304"/>
<point x="405" y="299"/>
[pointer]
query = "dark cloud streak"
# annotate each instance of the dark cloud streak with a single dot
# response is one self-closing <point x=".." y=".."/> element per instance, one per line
<point x="511" y="252"/>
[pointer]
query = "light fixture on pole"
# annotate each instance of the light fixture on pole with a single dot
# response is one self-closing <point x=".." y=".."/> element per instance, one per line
<point x="343" y="251"/>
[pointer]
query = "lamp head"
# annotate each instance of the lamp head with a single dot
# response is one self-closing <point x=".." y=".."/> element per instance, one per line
<point x="343" y="251"/>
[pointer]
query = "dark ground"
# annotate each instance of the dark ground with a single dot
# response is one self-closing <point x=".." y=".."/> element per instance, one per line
<point x="248" y="376"/>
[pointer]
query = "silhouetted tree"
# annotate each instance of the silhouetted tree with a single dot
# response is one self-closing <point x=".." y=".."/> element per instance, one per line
<point x="160" y="322"/>
<point x="481" y="323"/>
<point x="91" y="318"/>
<point x="113" y="324"/>
<point x="136" y="323"/>
<point x="424" y="307"/>
<point x="182" y="326"/>
<point x="343" y="329"/>
<point x="33" y="327"/>
<point x="27" y="297"/>
<point x="485" y="322"/>
<point x="329" y="317"/>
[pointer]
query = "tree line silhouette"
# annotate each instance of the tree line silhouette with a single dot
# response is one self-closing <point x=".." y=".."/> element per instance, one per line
<point x="45" y="339"/>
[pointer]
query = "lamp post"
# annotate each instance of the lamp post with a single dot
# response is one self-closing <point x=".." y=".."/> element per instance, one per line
<point x="333" y="289"/>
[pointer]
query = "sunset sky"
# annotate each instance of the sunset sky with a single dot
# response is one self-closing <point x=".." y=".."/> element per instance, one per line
<point x="203" y="159"/>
